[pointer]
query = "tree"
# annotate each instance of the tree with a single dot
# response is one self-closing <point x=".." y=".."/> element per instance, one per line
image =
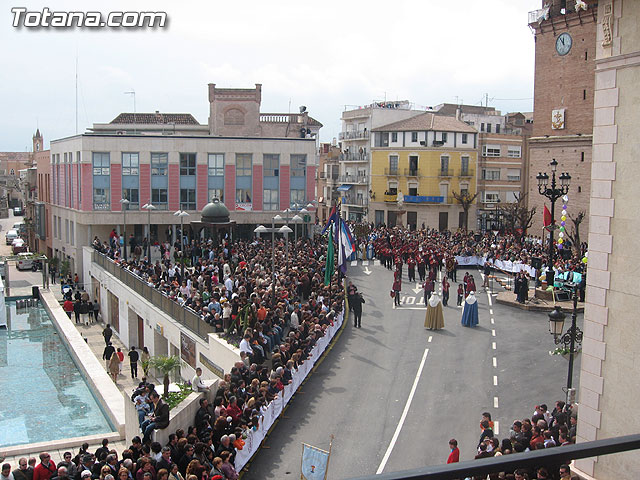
<point x="574" y="235"/>
<point x="466" y="200"/>
<point x="166" y="365"/>
<point x="517" y="216"/>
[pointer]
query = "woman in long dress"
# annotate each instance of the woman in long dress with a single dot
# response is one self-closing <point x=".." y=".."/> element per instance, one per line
<point x="470" y="312"/>
<point x="434" y="319"/>
<point x="114" y="366"/>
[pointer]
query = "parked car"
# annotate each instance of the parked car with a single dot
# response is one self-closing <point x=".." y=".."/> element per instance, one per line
<point x="17" y="211"/>
<point x="18" y="246"/>
<point x="2" y="269"/>
<point x="10" y="236"/>
<point x="24" y="261"/>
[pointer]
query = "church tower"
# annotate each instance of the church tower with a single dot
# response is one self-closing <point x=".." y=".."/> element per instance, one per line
<point x="38" y="142"/>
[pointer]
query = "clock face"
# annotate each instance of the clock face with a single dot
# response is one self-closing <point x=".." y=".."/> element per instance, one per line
<point x="563" y="44"/>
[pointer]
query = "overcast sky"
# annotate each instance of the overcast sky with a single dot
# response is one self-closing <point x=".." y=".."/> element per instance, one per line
<point x="324" y="55"/>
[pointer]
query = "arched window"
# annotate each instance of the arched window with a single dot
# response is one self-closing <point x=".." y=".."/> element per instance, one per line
<point x="12" y="172"/>
<point x="234" y="116"/>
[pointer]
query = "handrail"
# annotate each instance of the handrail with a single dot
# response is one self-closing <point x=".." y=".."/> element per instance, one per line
<point x="181" y="314"/>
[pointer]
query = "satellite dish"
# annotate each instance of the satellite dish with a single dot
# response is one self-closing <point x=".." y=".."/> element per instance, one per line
<point x="303" y="109"/>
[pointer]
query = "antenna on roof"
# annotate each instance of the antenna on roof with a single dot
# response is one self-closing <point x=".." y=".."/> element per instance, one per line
<point x="133" y="92"/>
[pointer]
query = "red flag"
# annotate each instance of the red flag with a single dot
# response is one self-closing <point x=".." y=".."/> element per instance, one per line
<point x="546" y="217"/>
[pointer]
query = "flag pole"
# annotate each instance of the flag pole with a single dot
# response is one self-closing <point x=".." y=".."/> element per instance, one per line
<point x="326" y="471"/>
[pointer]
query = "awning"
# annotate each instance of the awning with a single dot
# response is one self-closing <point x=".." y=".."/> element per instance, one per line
<point x="344" y="188"/>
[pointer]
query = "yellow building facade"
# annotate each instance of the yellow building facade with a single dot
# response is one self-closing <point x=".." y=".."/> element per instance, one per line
<point x="416" y="166"/>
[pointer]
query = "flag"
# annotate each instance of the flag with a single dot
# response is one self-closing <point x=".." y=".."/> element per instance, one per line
<point x="314" y="463"/>
<point x="346" y="245"/>
<point x="333" y="217"/>
<point x="328" y="270"/>
<point x="546" y="217"/>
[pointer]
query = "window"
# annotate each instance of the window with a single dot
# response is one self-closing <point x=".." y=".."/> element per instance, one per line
<point x="66" y="230"/>
<point x="298" y="165"/>
<point x="482" y="127"/>
<point x="512" y="197"/>
<point x="393" y="164"/>
<point x="159" y="198"/>
<point x="59" y="228"/>
<point x="414" y="136"/>
<point x="216" y="164"/>
<point x="514" y="152"/>
<point x="65" y="157"/>
<point x="78" y="157"/>
<point x="243" y="195"/>
<point x="382" y="139"/>
<point x="413" y="191"/>
<point x="497" y="128"/>
<point x="187" y="165"/>
<point x="491" y="197"/>
<point x="159" y="161"/>
<point x="296" y="196"/>
<point x="130" y="163"/>
<point x="464" y="189"/>
<point x="488" y="128"/>
<point x="243" y="164"/>
<point x="72" y="233"/>
<point x="491" y="150"/>
<point x="393" y="188"/>
<point x="101" y="199"/>
<point x="464" y="138"/>
<point x="271" y="164"/>
<point x="55" y="226"/>
<point x="444" y="137"/>
<point x="188" y="198"/>
<point x="488" y="174"/>
<point x="101" y="163"/>
<point x="216" y="193"/>
<point x="131" y="194"/>
<point x="444" y="165"/>
<point x="270" y="200"/>
<point x="464" y="165"/>
<point x="513" y="174"/>
<point x="394" y="136"/>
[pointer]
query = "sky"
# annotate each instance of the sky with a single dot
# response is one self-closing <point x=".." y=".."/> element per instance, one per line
<point x="327" y="55"/>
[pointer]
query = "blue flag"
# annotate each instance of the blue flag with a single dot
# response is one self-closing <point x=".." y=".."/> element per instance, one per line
<point x="314" y="463"/>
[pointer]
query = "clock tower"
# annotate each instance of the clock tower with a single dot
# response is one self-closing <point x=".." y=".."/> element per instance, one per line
<point x="565" y="40"/>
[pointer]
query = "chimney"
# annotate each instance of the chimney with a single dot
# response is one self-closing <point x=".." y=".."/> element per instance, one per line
<point x="458" y="113"/>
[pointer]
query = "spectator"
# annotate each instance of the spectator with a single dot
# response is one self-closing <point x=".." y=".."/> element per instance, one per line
<point x="454" y="456"/>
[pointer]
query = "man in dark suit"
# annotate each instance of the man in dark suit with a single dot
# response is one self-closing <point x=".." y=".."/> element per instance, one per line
<point x="357" y="309"/>
<point x="158" y="420"/>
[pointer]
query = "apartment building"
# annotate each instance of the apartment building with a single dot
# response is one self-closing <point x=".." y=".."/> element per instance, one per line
<point x="416" y="165"/>
<point x="328" y="177"/>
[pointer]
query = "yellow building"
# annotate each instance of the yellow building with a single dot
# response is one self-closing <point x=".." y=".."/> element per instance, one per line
<point x="416" y="165"/>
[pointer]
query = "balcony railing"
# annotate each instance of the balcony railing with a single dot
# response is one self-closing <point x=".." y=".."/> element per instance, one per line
<point x="183" y="315"/>
<point x="410" y="172"/>
<point x="354" y="157"/>
<point x="393" y="172"/>
<point x="390" y="197"/>
<point x="420" y="199"/>
<point x="445" y="172"/>
<point x="354" y="179"/>
<point x="354" y="135"/>
<point x="361" y="202"/>
<point x="467" y="172"/>
<point x="102" y="206"/>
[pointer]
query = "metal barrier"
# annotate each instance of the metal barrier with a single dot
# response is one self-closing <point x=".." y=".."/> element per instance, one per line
<point x="183" y="315"/>
<point x="550" y="458"/>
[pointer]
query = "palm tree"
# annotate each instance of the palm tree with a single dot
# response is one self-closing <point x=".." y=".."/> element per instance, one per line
<point x="166" y="365"/>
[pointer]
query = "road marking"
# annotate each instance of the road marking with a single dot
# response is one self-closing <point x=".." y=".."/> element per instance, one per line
<point x="396" y="434"/>
<point x="367" y="271"/>
<point x="496" y="427"/>
<point x="493" y="331"/>
<point x="409" y="300"/>
<point x="490" y="302"/>
<point x="430" y="338"/>
<point x="365" y="262"/>
<point x="491" y="311"/>
<point x="492" y="321"/>
<point x="493" y="345"/>
<point x="354" y="263"/>
<point x="495" y="402"/>
<point x="495" y="380"/>
<point x="495" y="362"/>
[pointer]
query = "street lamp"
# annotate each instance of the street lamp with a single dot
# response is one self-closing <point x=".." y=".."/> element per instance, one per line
<point x="296" y="219"/>
<point x="148" y="207"/>
<point x="125" y="207"/>
<point x="285" y="230"/>
<point x="181" y="214"/>
<point x="553" y="193"/>
<point x="572" y="337"/>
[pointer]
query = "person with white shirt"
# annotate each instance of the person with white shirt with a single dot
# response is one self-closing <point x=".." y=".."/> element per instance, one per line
<point x="197" y="384"/>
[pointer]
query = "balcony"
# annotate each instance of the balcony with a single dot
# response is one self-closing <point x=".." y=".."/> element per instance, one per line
<point x="390" y="197"/>
<point x="445" y="172"/>
<point x="354" y="135"/>
<point x="354" y="157"/>
<point x="392" y="172"/>
<point x="351" y="200"/>
<point x="424" y="199"/>
<point x="355" y="179"/>
<point x="410" y="172"/>
<point x="467" y="172"/>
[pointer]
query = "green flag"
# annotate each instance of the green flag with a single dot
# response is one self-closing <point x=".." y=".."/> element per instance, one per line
<point x="328" y="270"/>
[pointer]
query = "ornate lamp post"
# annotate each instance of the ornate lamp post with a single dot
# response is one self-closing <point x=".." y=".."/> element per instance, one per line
<point x="125" y="207"/>
<point x="296" y="219"/>
<point x="149" y="207"/>
<point x="570" y="339"/>
<point x="553" y="193"/>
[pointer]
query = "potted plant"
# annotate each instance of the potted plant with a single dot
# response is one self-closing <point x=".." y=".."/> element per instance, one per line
<point x="165" y="364"/>
<point x="565" y="351"/>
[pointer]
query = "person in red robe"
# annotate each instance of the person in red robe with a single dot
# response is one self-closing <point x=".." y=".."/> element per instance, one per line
<point x="454" y="456"/>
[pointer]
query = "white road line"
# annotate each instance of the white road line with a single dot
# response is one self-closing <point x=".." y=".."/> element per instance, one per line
<point x="495" y="402"/>
<point x="365" y="262"/>
<point x="493" y="345"/>
<point x="496" y="427"/>
<point x="430" y="338"/>
<point x="396" y="434"/>
<point x="490" y="302"/>
<point x="495" y="380"/>
<point x="354" y="263"/>
<point x="493" y="322"/>
<point x="495" y="362"/>
<point x="491" y="310"/>
<point x="493" y="331"/>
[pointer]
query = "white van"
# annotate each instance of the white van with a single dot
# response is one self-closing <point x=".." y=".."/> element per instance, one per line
<point x="10" y="236"/>
<point x="25" y="261"/>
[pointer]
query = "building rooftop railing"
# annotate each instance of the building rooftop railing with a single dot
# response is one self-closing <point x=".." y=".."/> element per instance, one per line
<point x="185" y="316"/>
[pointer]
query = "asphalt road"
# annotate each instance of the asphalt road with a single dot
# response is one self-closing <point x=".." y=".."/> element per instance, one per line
<point x="17" y="278"/>
<point x="359" y="393"/>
